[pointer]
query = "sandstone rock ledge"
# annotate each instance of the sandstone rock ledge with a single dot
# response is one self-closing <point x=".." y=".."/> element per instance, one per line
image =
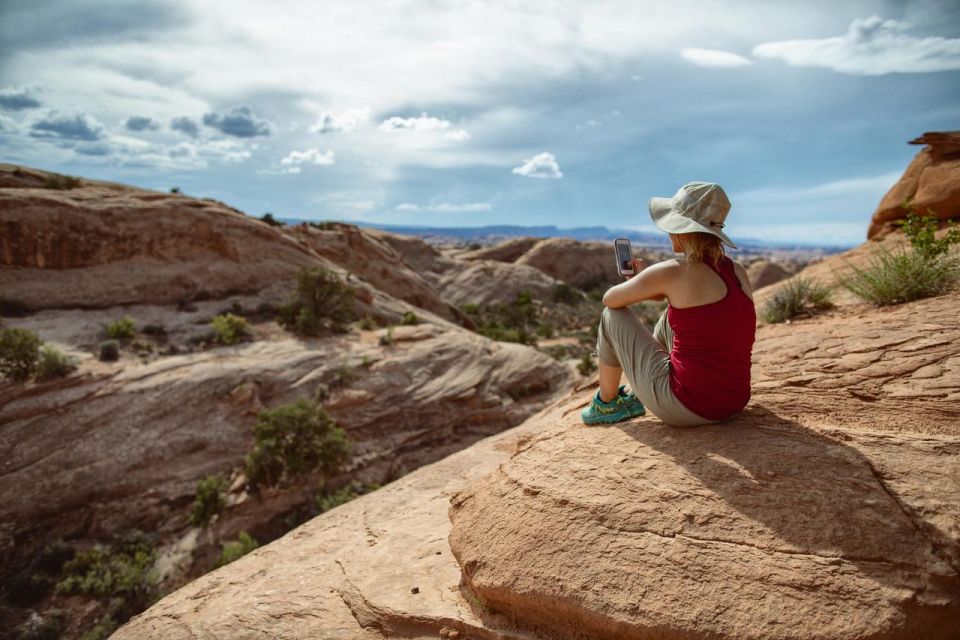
<point x="829" y="508"/>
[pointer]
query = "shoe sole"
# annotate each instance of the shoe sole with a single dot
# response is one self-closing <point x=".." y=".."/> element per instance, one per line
<point x="613" y="418"/>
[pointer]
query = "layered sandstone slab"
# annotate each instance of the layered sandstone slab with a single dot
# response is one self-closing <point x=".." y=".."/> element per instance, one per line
<point x="829" y="508"/>
<point x="118" y="447"/>
<point x="931" y="184"/>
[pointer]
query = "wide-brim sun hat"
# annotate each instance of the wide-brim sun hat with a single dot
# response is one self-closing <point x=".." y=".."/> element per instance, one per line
<point x="697" y="207"/>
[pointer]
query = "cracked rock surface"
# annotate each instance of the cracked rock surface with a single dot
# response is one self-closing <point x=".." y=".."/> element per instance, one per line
<point x="829" y="508"/>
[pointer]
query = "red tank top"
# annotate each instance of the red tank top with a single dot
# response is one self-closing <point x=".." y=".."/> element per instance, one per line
<point x="712" y="344"/>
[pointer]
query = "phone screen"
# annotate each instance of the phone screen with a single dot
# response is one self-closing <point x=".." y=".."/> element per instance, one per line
<point x="623" y="256"/>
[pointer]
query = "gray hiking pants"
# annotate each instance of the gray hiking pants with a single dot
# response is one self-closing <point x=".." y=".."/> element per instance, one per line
<point x="623" y="341"/>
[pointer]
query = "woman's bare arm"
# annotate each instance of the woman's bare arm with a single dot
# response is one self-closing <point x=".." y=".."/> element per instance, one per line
<point x="649" y="284"/>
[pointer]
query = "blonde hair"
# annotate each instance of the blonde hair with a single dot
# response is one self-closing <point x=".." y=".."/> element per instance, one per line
<point x="702" y="247"/>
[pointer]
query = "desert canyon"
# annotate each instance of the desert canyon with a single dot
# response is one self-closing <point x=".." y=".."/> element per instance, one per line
<point x="829" y="508"/>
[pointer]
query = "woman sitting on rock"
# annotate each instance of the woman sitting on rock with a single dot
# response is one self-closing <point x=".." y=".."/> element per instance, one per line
<point x="695" y="367"/>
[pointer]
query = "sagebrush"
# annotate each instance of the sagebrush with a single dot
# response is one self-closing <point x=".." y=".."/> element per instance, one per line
<point x="19" y="351"/>
<point x="293" y="440"/>
<point x="797" y="296"/>
<point x="323" y="304"/>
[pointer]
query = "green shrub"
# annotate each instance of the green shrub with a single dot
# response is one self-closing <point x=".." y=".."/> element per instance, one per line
<point x="921" y="231"/>
<point x="513" y="322"/>
<point x="343" y="377"/>
<point x="230" y="329"/>
<point x="900" y="276"/>
<point x="13" y="308"/>
<point x="121" y="329"/>
<point x="387" y="338"/>
<point x="210" y="499"/>
<point x="236" y="549"/>
<point x="410" y="318"/>
<point x="123" y="571"/>
<point x="157" y="330"/>
<point x="109" y="351"/>
<point x="61" y="182"/>
<point x="471" y="309"/>
<point x="368" y="324"/>
<point x="323" y="304"/>
<point x="102" y="630"/>
<point x="567" y="294"/>
<point x="586" y="365"/>
<point x="270" y="220"/>
<point x="48" y="625"/>
<point x="174" y="189"/>
<point x="545" y="330"/>
<point x="797" y="296"/>
<point x="54" y="363"/>
<point x="293" y="440"/>
<point x="19" y="350"/>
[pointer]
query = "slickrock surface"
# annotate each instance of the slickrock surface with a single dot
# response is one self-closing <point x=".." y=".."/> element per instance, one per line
<point x="506" y="251"/>
<point x="376" y="261"/>
<point x="123" y="446"/>
<point x="488" y="281"/>
<point x="930" y="183"/>
<point x="763" y="273"/>
<point x="582" y="264"/>
<point x="829" y="508"/>
<point x="103" y="244"/>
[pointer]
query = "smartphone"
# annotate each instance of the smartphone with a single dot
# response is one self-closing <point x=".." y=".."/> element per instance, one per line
<point x="621" y="247"/>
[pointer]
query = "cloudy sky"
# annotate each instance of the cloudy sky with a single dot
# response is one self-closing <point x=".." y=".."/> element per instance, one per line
<point x="466" y="114"/>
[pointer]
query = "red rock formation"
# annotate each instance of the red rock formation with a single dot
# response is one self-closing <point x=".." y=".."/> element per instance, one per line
<point x="931" y="184"/>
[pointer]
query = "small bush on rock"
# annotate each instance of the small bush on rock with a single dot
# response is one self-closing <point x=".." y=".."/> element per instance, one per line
<point x="903" y="275"/>
<point x="328" y="500"/>
<point x="121" y="329"/>
<point x="236" y="549"/>
<point x="122" y="571"/>
<point x="210" y="499"/>
<point x="109" y="351"/>
<point x="61" y="182"/>
<point x="798" y="296"/>
<point x="19" y="350"/>
<point x="270" y="220"/>
<point x="230" y="329"/>
<point x="586" y="366"/>
<point x="410" y="318"/>
<point x="567" y="294"/>
<point x="293" y="440"/>
<point x="54" y="363"/>
<point x="323" y="304"/>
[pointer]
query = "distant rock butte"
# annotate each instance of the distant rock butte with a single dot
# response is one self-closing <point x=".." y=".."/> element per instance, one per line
<point x="828" y="508"/>
<point x="763" y="273"/>
<point x="931" y="183"/>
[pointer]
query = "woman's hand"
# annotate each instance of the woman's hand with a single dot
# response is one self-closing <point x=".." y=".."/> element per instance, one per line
<point x="637" y="265"/>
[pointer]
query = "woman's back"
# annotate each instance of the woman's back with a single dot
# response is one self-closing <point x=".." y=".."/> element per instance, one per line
<point x="714" y="324"/>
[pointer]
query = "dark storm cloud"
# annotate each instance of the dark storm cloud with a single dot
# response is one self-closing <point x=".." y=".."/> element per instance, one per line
<point x="141" y="123"/>
<point x="185" y="125"/>
<point x="16" y="99"/>
<point x="239" y="122"/>
<point x="40" y="24"/>
<point x="79" y="126"/>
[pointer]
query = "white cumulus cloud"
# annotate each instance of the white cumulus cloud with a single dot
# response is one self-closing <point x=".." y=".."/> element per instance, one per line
<point x="714" y="58"/>
<point x="542" y="165"/>
<point x="345" y="122"/>
<point x="308" y="156"/>
<point x="423" y="122"/>
<point x="872" y="47"/>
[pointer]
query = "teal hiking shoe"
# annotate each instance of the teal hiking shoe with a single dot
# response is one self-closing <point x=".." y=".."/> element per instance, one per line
<point x="623" y="407"/>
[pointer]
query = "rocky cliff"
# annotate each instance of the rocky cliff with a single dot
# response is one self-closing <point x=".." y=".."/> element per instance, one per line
<point x="931" y="184"/>
<point x="830" y="507"/>
<point x="116" y="447"/>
